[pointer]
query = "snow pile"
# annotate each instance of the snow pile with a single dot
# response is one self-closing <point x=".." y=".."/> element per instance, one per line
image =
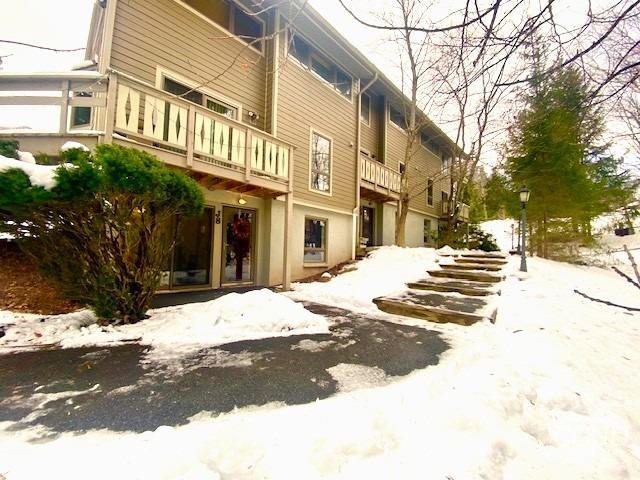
<point x="71" y="145"/>
<point x="172" y="331"/>
<point x="505" y="233"/>
<point x="384" y="271"/>
<point x="26" y="157"/>
<point x="39" y="175"/>
<point x="548" y="392"/>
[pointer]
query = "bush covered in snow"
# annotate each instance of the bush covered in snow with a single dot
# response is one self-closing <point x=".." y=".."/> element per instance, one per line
<point x="96" y="223"/>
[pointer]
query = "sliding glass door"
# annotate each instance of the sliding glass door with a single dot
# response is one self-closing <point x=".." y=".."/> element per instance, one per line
<point x="190" y="262"/>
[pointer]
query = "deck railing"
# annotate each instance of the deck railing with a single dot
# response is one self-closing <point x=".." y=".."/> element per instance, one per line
<point x="167" y="121"/>
<point x="127" y="109"/>
<point x="64" y="90"/>
<point x="462" y="210"/>
<point x="377" y="176"/>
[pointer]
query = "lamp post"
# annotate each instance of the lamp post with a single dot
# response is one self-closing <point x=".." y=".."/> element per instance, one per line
<point x="524" y="198"/>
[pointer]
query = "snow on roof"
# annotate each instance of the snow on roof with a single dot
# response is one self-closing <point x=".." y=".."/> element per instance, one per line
<point x="39" y="175"/>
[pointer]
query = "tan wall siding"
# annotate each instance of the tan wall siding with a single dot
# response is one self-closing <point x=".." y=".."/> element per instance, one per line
<point x="152" y="33"/>
<point x="305" y="102"/>
<point x="424" y="164"/>
<point x="370" y="133"/>
<point x="396" y="145"/>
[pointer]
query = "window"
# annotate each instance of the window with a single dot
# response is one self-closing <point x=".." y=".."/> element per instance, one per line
<point x="343" y="83"/>
<point x="320" y="163"/>
<point x="427" y="232"/>
<point x="365" y="109"/>
<point x="315" y="240"/>
<point x="397" y="118"/>
<point x="248" y="28"/>
<point x="199" y="98"/>
<point x="322" y="68"/>
<point x="300" y="50"/>
<point x="320" y="65"/>
<point x="430" y="192"/>
<point x="430" y="144"/>
<point x="401" y="168"/>
<point x="81" y="116"/>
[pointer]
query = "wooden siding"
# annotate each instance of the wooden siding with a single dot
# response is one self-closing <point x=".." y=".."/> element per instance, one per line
<point x="370" y="133"/>
<point x="163" y="33"/>
<point x="423" y="164"/>
<point x="306" y="102"/>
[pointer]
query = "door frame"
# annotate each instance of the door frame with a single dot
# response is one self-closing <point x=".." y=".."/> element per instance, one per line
<point x="254" y="240"/>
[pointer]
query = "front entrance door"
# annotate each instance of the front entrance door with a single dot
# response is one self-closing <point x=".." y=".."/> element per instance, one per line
<point x="190" y="262"/>
<point x="238" y="239"/>
<point x="367" y="217"/>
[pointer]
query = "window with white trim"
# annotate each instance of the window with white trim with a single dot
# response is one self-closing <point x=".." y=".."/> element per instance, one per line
<point x="317" y="63"/>
<point x="430" y="192"/>
<point x="320" y="168"/>
<point x="315" y="240"/>
<point x="199" y="98"/>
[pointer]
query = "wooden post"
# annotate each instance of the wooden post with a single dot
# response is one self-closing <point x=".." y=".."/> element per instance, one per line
<point x="247" y="157"/>
<point x="191" y="132"/>
<point x="288" y="229"/>
<point x="110" y="114"/>
<point x="64" y="107"/>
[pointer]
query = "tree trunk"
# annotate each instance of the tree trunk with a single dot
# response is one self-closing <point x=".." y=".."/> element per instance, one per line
<point x="401" y="220"/>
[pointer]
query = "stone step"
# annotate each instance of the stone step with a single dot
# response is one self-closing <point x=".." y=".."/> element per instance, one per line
<point x="474" y="275"/>
<point x="435" y="307"/>
<point x="498" y="256"/>
<point x="484" y="261"/>
<point x="474" y="289"/>
<point x="473" y="266"/>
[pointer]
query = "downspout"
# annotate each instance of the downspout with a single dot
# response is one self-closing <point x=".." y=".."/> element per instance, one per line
<point x="356" y="210"/>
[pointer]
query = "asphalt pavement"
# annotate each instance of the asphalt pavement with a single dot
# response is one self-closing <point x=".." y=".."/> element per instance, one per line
<point x="117" y="388"/>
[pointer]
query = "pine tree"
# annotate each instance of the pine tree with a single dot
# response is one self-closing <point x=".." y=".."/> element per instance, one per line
<point x="548" y="147"/>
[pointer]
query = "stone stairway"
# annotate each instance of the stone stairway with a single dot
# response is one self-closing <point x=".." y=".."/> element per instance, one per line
<point x="460" y="292"/>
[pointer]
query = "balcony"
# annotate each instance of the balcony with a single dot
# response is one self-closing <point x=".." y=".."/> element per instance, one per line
<point x="462" y="210"/>
<point x="378" y="182"/>
<point x="219" y="152"/>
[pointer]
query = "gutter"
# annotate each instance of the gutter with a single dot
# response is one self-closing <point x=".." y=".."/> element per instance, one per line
<point x="356" y="210"/>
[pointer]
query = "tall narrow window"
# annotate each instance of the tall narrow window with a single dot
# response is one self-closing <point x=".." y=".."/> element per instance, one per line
<point x="365" y="110"/>
<point x="320" y="163"/>
<point x="430" y="192"/>
<point x="315" y="240"/>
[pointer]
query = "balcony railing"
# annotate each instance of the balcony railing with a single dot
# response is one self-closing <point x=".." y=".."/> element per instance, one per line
<point x="462" y="210"/>
<point x="126" y="110"/>
<point x="379" y="178"/>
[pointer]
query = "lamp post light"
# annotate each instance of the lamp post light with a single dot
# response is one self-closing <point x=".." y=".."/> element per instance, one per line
<point x="524" y="198"/>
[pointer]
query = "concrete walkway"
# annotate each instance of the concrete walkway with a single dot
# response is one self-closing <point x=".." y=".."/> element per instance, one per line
<point x="115" y="388"/>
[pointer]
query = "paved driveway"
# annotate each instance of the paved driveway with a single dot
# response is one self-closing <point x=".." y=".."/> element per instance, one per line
<point x="115" y="388"/>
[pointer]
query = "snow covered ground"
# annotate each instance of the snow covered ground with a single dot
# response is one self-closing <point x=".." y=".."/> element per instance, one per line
<point x="550" y="391"/>
<point x="171" y="331"/>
